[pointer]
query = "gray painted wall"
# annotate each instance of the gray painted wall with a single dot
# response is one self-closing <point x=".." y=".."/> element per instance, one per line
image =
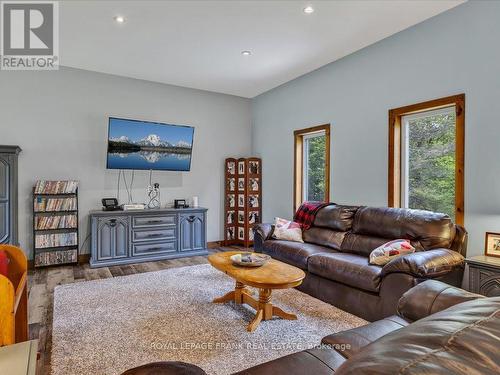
<point x="451" y="53"/>
<point x="59" y="119"/>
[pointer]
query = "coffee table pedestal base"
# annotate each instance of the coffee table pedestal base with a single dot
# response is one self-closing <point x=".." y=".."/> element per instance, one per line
<point x="263" y="306"/>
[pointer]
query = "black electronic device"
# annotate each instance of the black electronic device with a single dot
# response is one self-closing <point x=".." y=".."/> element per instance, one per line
<point x="110" y="204"/>
<point x="180" y="203"/>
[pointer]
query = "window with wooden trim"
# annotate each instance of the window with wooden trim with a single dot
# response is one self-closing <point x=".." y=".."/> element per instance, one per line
<point x="312" y="165"/>
<point x="426" y="156"/>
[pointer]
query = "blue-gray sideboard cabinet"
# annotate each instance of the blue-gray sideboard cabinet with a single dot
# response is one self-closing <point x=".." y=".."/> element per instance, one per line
<point x="122" y="237"/>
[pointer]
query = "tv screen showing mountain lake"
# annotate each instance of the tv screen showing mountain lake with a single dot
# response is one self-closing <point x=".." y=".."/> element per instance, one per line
<point x="143" y="145"/>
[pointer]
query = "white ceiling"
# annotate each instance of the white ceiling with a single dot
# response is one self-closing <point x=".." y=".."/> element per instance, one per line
<point x="198" y="44"/>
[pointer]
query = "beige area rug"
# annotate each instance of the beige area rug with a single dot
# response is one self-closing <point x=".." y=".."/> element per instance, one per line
<point x="104" y="327"/>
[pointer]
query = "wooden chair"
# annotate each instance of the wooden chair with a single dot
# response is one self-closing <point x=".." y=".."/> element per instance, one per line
<point x="14" y="298"/>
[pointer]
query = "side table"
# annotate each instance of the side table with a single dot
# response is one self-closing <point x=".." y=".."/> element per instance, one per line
<point x="484" y="275"/>
<point x="19" y="359"/>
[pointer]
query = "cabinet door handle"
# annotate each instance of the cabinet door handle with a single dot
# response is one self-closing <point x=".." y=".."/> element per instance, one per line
<point x="155" y="221"/>
<point x="155" y="235"/>
<point x="112" y="222"/>
<point x="191" y="218"/>
<point x="155" y="248"/>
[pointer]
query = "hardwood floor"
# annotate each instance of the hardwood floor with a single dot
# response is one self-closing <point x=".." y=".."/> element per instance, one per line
<point x="41" y="284"/>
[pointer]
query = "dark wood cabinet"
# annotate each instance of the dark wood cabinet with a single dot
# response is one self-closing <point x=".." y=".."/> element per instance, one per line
<point x="484" y="275"/>
<point x="243" y="200"/>
<point x="8" y="195"/>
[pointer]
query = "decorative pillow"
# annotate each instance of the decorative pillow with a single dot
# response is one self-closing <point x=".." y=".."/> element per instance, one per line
<point x="390" y="250"/>
<point x="4" y="263"/>
<point x="287" y="230"/>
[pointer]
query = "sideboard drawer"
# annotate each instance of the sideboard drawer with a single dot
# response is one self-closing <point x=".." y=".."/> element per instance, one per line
<point x="154" y="234"/>
<point x="153" y="221"/>
<point x="154" y="248"/>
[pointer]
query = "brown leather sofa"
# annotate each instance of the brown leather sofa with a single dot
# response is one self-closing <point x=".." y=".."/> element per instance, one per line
<point x="335" y="255"/>
<point x="427" y="336"/>
<point x="438" y="329"/>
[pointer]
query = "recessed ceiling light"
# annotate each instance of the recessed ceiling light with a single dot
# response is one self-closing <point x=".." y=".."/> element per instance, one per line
<point x="246" y="53"/>
<point x="119" y="19"/>
<point x="308" y="9"/>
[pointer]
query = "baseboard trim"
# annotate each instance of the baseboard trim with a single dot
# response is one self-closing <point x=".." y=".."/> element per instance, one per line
<point x="214" y="244"/>
<point x="85" y="258"/>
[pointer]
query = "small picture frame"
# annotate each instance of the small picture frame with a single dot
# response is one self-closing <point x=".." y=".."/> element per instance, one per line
<point x="253" y="201"/>
<point x="254" y="184"/>
<point x="250" y="234"/>
<point x="253" y="217"/>
<point x="230" y="233"/>
<point x="231" y="167"/>
<point x="241" y="233"/>
<point x="231" y="201"/>
<point x="241" y="184"/>
<point x="241" y="200"/>
<point x="241" y="167"/>
<point x="492" y="244"/>
<point x="230" y="217"/>
<point x="253" y="167"/>
<point x="241" y="217"/>
<point x="232" y="184"/>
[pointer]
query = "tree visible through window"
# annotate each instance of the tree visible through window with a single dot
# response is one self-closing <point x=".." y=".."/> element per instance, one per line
<point x="311" y="165"/>
<point x="427" y="156"/>
<point x="314" y="167"/>
<point x="429" y="171"/>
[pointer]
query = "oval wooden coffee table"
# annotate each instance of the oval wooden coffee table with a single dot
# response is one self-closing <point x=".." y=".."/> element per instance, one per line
<point x="272" y="275"/>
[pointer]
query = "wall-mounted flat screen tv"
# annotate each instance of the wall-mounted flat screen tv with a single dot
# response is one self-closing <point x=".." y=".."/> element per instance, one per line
<point x="134" y="144"/>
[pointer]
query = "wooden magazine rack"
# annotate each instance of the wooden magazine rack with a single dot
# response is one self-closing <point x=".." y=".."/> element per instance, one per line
<point x="14" y="298"/>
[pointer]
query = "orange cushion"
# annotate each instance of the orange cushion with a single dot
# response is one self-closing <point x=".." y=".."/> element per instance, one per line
<point x="4" y="263"/>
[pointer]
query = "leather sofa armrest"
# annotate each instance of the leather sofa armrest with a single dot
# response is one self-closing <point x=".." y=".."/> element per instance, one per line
<point x="261" y="232"/>
<point x="459" y="243"/>
<point x="318" y="361"/>
<point x="425" y="264"/>
<point x="430" y="297"/>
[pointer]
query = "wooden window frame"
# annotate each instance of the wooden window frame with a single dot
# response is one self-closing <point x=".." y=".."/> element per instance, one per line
<point x="395" y="144"/>
<point x="298" y="168"/>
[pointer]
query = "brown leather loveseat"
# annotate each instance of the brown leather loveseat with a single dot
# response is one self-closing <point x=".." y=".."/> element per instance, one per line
<point x="335" y="255"/>
<point x="438" y="329"/>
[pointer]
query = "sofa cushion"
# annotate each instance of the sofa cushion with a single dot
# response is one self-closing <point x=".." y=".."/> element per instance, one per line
<point x="350" y="269"/>
<point x="389" y="251"/>
<point x="463" y="339"/>
<point x="317" y="361"/>
<point x="294" y="253"/>
<point x="287" y="230"/>
<point x="324" y="237"/>
<point x="335" y="217"/>
<point x="430" y="229"/>
<point x="362" y="245"/>
<point x="351" y="341"/>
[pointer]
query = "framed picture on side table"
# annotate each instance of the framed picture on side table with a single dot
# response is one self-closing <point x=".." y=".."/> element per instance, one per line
<point x="492" y="244"/>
